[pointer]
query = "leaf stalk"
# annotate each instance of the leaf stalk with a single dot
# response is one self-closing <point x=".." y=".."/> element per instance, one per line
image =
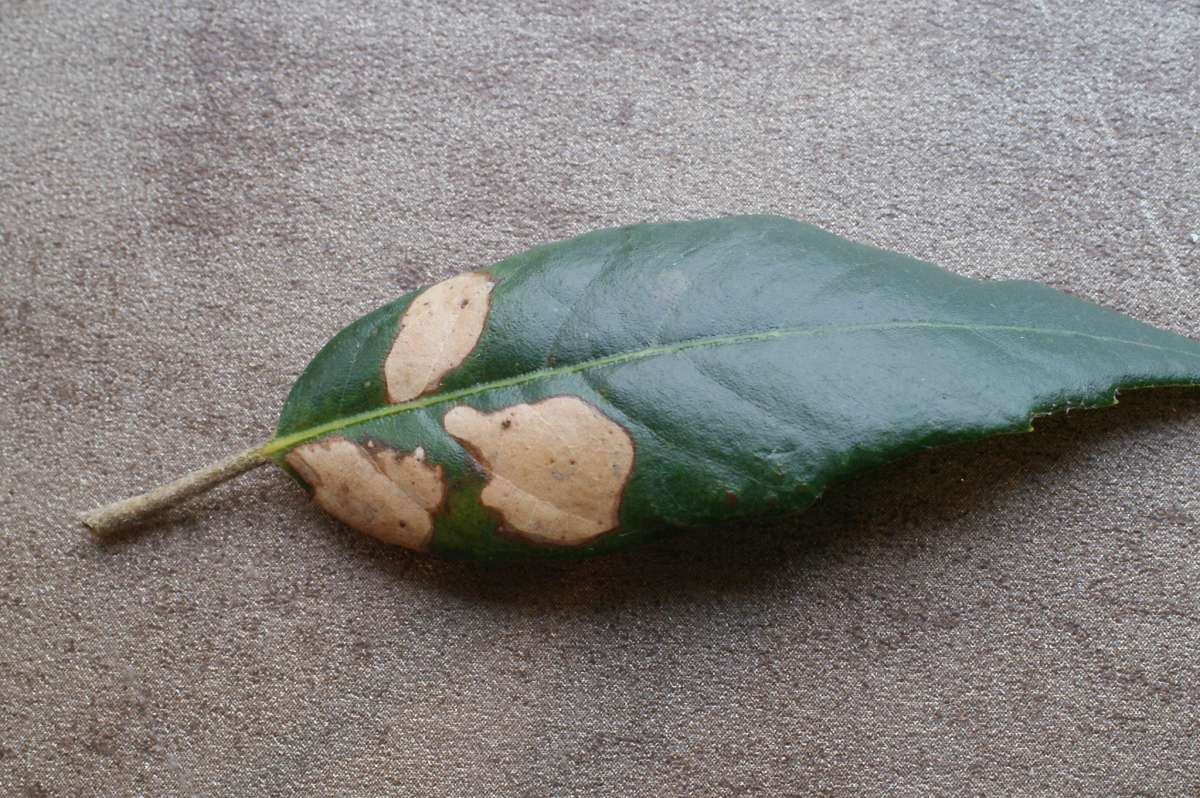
<point x="119" y="516"/>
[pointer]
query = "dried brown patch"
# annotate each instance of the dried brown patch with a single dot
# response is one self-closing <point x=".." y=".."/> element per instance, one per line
<point x="557" y="468"/>
<point x="375" y="489"/>
<point x="437" y="332"/>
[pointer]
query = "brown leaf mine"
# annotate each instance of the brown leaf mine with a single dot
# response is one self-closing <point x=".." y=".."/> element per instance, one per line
<point x="385" y="493"/>
<point x="438" y="330"/>
<point x="556" y="469"/>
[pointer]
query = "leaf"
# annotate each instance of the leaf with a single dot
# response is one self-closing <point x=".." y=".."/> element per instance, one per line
<point x="591" y="393"/>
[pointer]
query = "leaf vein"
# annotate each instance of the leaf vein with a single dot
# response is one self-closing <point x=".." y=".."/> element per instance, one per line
<point x="285" y="442"/>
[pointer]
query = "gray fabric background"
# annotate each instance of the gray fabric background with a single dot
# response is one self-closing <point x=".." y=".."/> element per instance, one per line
<point x="195" y="195"/>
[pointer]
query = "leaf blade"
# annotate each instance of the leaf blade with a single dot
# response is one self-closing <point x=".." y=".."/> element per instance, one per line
<point x="811" y="352"/>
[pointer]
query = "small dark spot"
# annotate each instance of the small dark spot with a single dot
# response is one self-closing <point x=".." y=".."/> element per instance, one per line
<point x="403" y="524"/>
<point x="464" y="303"/>
<point x="730" y="497"/>
<point x="506" y="423"/>
<point x="572" y="462"/>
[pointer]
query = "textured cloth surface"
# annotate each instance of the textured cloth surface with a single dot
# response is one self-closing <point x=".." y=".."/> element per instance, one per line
<point x="195" y="195"/>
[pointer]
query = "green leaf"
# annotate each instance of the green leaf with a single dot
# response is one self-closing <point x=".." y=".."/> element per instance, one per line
<point x="592" y="393"/>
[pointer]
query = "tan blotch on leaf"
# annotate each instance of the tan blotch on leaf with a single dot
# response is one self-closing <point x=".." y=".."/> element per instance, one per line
<point x="556" y="469"/>
<point x="385" y="493"/>
<point x="437" y="332"/>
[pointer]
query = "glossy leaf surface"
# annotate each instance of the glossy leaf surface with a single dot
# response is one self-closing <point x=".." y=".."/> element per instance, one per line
<point x="636" y="380"/>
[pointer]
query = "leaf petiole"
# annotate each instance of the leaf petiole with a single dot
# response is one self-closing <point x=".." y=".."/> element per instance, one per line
<point x="112" y="518"/>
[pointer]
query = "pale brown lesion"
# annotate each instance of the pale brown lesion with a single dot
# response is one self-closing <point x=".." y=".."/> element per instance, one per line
<point x="386" y="493"/>
<point x="557" y="469"/>
<point x="439" y="329"/>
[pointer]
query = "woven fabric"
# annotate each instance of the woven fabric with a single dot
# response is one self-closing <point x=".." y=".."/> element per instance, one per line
<point x="195" y="195"/>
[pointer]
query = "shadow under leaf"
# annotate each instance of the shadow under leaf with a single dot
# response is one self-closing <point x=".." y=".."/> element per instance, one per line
<point x="919" y="495"/>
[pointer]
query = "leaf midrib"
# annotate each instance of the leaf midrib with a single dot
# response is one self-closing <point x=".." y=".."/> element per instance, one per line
<point x="285" y="442"/>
